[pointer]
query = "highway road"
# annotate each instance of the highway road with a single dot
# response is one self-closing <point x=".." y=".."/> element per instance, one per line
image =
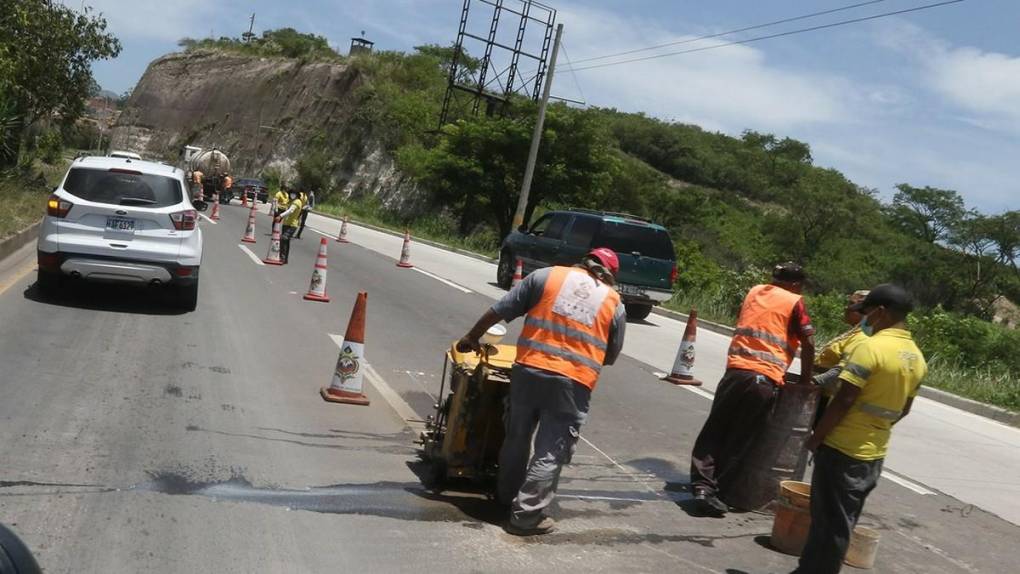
<point x="140" y="439"/>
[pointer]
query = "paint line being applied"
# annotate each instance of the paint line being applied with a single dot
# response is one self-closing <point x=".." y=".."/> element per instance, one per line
<point x="906" y="483"/>
<point x="391" y="396"/>
<point x="441" y="280"/>
<point x="253" y="257"/>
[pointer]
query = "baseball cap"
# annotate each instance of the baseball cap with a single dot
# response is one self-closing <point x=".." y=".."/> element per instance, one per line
<point x="886" y="295"/>
<point x="789" y="271"/>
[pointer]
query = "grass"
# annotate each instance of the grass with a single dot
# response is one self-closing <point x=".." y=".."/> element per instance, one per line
<point x="429" y="226"/>
<point x="708" y="308"/>
<point x="23" y="195"/>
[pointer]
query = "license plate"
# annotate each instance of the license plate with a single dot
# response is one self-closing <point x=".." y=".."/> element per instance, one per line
<point x="120" y="224"/>
<point x="630" y="289"/>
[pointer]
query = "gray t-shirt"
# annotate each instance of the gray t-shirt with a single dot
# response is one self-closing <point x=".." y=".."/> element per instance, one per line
<point x="527" y="294"/>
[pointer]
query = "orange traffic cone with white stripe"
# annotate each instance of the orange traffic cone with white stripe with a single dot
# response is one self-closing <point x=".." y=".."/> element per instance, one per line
<point x="244" y="198"/>
<point x="683" y="366"/>
<point x="317" y="288"/>
<point x="215" y="216"/>
<point x="518" y="273"/>
<point x="249" y="230"/>
<point x="273" y="257"/>
<point x="405" y="252"/>
<point x="349" y="375"/>
<point x="342" y="237"/>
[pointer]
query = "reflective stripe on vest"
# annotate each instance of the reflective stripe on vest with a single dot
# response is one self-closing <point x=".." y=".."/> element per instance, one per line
<point x="761" y="341"/>
<point x="567" y="331"/>
<point x="880" y="412"/>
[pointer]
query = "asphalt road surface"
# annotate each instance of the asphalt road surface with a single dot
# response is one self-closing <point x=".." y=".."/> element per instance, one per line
<point x="139" y="439"/>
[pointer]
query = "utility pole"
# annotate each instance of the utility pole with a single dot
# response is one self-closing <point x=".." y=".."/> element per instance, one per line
<point x="251" y="26"/>
<point x="536" y="138"/>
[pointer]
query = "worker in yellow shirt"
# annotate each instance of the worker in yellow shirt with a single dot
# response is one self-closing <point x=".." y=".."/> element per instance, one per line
<point x="291" y="218"/>
<point x="877" y="389"/>
<point x="829" y="362"/>
<point x="280" y="200"/>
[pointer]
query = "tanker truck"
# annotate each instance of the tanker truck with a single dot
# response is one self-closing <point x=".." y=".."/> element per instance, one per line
<point x="210" y="170"/>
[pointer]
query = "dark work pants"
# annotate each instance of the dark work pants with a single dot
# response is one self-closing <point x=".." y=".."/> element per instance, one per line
<point x="301" y="227"/>
<point x="839" y="486"/>
<point x="285" y="236"/>
<point x="739" y="412"/>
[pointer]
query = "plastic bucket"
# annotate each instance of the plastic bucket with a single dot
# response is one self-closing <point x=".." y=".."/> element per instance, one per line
<point x="863" y="547"/>
<point x="793" y="517"/>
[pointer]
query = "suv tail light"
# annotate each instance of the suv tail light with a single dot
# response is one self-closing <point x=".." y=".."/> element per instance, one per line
<point x="58" y="207"/>
<point x="184" y="220"/>
<point x="673" y="275"/>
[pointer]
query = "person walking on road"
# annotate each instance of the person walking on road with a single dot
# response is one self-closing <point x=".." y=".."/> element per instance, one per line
<point x="877" y="389"/>
<point x="574" y="324"/>
<point x="829" y="362"/>
<point x="773" y="323"/>
<point x="290" y="217"/>
<point x="307" y="203"/>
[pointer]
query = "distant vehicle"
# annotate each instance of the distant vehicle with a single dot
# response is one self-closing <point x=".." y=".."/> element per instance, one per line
<point x="125" y="155"/>
<point x="125" y="221"/>
<point x="250" y="186"/>
<point x="647" y="260"/>
<point x="214" y="166"/>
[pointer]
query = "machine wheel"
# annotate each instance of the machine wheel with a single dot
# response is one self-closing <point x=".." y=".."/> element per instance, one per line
<point x="436" y="477"/>
<point x="505" y="270"/>
<point x="637" y="311"/>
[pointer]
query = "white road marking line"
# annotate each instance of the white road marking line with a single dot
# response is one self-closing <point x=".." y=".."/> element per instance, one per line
<point x="610" y="498"/>
<point x="906" y="483"/>
<point x="322" y="233"/>
<point x="696" y="390"/>
<point x="441" y="280"/>
<point x="254" y="257"/>
<point x="395" y="401"/>
<point x="202" y="215"/>
<point x="621" y="467"/>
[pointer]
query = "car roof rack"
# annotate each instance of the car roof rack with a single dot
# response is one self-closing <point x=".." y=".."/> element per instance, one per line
<point x="613" y="213"/>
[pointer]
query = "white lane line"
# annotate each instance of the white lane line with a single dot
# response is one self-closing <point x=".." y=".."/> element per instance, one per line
<point x="630" y="474"/>
<point x="202" y="215"/>
<point x="696" y="390"/>
<point x="322" y="233"/>
<point x="441" y="280"/>
<point x="254" y="257"/>
<point x="395" y="401"/>
<point x="906" y="483"/>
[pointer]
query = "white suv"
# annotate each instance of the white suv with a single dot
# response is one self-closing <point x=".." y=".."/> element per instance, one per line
<point x="121" y="220"/>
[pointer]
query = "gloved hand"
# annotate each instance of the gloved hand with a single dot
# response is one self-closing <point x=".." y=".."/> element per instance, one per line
<point x="468" y="343"/>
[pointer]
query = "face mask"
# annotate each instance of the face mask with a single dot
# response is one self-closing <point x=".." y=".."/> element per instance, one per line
<point x="866" y="326"/>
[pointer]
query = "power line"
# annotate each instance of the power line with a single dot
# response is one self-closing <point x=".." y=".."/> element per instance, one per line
<point x="727" y="33"/>
<point x="770" y="36"/>
<point x="570" y="67"/>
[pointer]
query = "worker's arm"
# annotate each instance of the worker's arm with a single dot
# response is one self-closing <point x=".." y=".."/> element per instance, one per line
<point x="515" y="303"/>
<point x="471" y="339"/>
<point x="834" y="413"/>
<point x="807" y="357"/>
<point x="617" y="330"/>
<point x="906" y="410"/>
<point x="288" y="211"/>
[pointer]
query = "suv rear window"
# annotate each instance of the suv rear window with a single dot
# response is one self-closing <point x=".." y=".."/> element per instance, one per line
<point x="123" y="187"/>
<point x="628" y="238"/>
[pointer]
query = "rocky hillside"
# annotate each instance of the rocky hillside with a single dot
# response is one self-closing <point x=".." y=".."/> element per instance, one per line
<point x="263" y="112"/>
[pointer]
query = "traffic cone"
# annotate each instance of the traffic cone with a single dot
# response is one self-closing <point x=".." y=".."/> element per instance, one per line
<point x="244" y="198"/>
<point x="273" y="258"/>
<point x="683" y="366"/>
<point x="405" y="252"/>
<point x="249" y="230"/>
<point x="215" y="216"/>
<point x="518" y="273"/>
<point x="349" y="375"/>
<point x="342" y="238"/>
<point x="317" y="288"/>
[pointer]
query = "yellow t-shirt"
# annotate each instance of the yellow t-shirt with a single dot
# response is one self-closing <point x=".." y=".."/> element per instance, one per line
<point x="294" y="219"/>
<point x="282" y="200"/>
<point x="835" y="353"/>
<point x="889" y="368"/>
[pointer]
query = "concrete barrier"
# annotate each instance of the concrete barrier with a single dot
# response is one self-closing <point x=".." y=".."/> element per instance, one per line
<point x="19" y="240"/>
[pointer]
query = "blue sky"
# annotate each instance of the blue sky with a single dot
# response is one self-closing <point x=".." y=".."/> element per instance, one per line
<point x="928" y="98"/>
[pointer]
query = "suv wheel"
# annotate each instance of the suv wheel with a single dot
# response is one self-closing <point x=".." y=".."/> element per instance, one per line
<point x="48" y="283"/>
<point x="637" y="311"/>
<point x="187" y="297"/>
<point x="505" y="270"/>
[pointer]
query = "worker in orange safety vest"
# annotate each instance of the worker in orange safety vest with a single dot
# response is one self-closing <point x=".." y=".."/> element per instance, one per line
<point x="574" y="324"/>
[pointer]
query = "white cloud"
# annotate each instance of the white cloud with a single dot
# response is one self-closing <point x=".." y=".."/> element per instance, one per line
<point x="732" y="88"/>
<point x="159" y="21"/>
<point x="983" y="85"/>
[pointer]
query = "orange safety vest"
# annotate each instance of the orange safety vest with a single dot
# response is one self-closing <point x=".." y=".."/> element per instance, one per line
<point x="761" y="342"/>
<point x="567" y="331"/>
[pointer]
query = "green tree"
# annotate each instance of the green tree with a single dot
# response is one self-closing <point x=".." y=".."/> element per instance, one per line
<point x="46" y="54"/>
<point x="927" y="213"/>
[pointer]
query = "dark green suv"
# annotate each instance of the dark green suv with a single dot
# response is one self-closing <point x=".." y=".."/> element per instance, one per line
<point x="647" y="260"/>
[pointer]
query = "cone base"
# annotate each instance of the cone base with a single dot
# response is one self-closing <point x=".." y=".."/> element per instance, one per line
<point x="314" y="297"/>
<point x="246" y="240"/>
<point x="342" y="241"/>
<point x="271" y="262"/>
<point x="682" y="380"/>
<point x="405" y="265"/>
<point x="343" y="397"/>
<point x="215" y="218"/>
